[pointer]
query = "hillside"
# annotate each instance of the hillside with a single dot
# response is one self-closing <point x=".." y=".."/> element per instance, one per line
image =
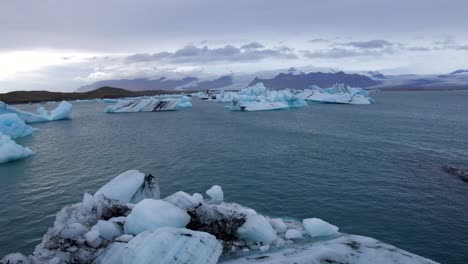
<point x="19" y="97"/>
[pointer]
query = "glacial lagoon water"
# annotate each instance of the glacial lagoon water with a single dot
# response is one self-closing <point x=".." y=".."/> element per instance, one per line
<point x="372" y="170"/>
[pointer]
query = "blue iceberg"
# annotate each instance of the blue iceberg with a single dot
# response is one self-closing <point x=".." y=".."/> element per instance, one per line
<point x="63" y="111"/>
<point x="14" y="127"/>
<point x="258" y="98"/>
<point x="10" y="151"/>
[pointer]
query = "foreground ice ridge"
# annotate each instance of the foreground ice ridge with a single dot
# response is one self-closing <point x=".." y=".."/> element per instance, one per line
<point x="62" y="111"/>
<point x="149" y="104"/>
<point x="126" y="222"/>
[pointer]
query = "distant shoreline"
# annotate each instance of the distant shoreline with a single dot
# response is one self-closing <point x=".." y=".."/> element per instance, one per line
<point x="24" y="97"/>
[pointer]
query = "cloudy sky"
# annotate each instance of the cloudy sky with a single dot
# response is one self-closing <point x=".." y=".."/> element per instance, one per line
<point x="60" y="45"/>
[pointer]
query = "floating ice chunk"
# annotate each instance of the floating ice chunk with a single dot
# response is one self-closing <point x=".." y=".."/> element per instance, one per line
<point x="216" y="194"/>
<point x="279" y="225"/>
<point x="73" y="230"/>
<point x="124" y="238"/>
<point x="9" y="150"/>
<point x="183" y="200"/>
<point x="293" y="234"/>
<point x="337" y="94"/>
<point x="108" y="230"/>
<point x="257" y="229"/>
<point x="143" y="104"/>
<point x="93" y="239"/>
<point x="185" y="102"/>
<point x="13" y="126"/>
<point x="258" y="106"/>
<point x="131" y="186"/>
<point x="316" y="227"/>
<point x="63" y="111"/>
<point x="165" y="245"/>
<point x="151" y="214"/>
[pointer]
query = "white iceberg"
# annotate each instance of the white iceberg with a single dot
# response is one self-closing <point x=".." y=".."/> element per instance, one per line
<point x="91" y="232"/>
<point x="144" y="104"/>
<point x="165" y="245"/>
<point x="337" y="94"/>
<point x="131" y="187"/>
<point x="152" y="214"/>
<point x="14" y="127"/>
<point x="62" y="111"/>
<point x="10" y="151"/>
<point x="258" y="98"/>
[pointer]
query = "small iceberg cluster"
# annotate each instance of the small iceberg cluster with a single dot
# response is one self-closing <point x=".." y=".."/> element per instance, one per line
<point x="125" y="221"/>
<point x="62" y="111"/>
<point x="13" y="125"/>
<point x="258" y="98"/>
<point x="337" y="94"/>
<point x="148" y="104"/>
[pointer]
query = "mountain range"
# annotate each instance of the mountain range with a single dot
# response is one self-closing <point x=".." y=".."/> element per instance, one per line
<point x="295" y="79"/>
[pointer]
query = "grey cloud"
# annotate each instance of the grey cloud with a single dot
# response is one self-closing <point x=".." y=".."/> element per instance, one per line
<point x="194" y="54"/>
<point x="370" y="44"/>
<point x="338" y="53"/>
<point x="253" y="45"/>
<point x="419" y="49"/>
<point x="318" y="40"/>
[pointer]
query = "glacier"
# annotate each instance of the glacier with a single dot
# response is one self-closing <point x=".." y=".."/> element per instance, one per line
<point x="148" y="104"/>
<point x="14" y="127"/>
<point x="10" y="151"/>
<point x="62" y="111"/>
<point x="184" y="228"/>
<point x="337" y="94"/>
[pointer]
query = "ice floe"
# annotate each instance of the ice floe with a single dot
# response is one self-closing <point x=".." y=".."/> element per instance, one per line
<point x="10" y="151"/>
<point x="337" y="94"/>
<point x="62" y="111"/>
<point x="185" y="228"/>
<point x="13" y="126"/>
<point x="148" y="104"/>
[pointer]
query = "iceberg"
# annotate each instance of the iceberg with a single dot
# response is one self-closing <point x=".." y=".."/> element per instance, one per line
<point x="185" y="228"/>
<point x="258" y="98"/>
<point x="184" y="102"/>
<point x="14" y="127"/>
<point x="337" y="94"/>
<point x="10" y="151"/>
<point x="131" y="187"/>
<point x="144" y="104"/>
<point x="62" y="111"/>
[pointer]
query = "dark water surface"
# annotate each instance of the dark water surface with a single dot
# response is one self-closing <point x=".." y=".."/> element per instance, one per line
<point x="371" y="170"/>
